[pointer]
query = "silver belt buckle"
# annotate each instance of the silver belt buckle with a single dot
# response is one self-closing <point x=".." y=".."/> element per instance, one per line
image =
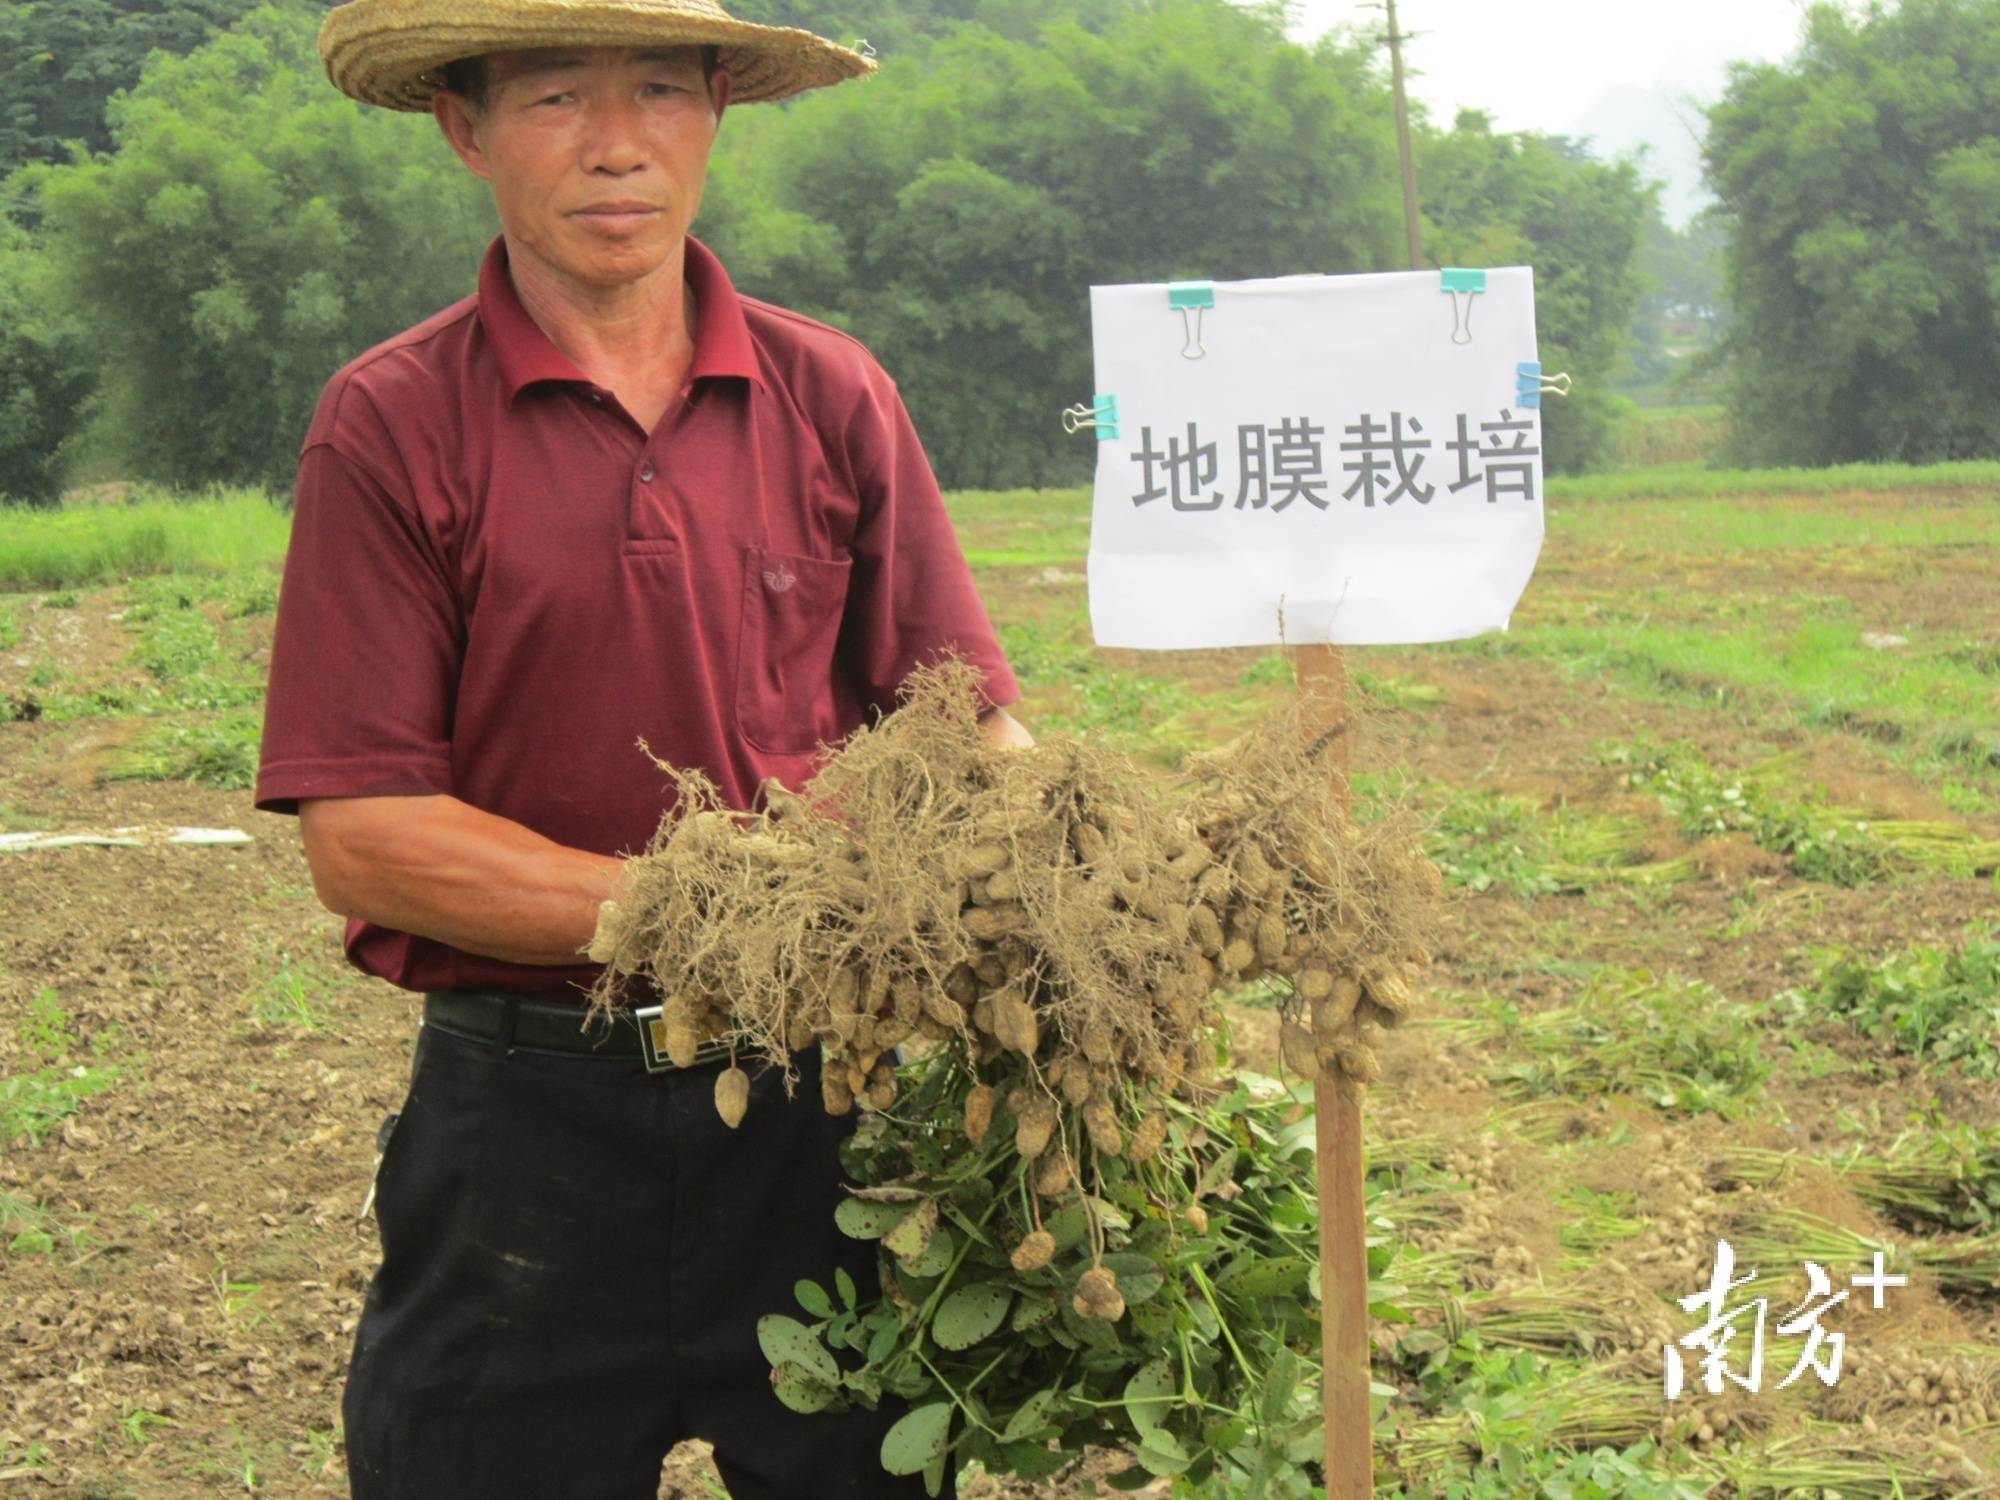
<point x="653" y="1037"/>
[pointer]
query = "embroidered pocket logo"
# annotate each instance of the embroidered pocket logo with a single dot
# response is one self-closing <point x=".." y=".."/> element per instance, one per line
<point x="778" y="580"/>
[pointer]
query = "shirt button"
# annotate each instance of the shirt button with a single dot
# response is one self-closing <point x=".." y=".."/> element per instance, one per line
<point x="646" y="473"/>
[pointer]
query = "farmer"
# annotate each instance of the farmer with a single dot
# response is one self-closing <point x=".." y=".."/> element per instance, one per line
<point x="603" y="499"/>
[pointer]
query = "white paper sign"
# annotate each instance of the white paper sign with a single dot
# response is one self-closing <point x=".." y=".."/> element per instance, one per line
<point x="1336" y="457"/>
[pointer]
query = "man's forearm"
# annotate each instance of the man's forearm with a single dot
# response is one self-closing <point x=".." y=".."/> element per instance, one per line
<point x="446" y="870"/>
<point x="443" y="869"/>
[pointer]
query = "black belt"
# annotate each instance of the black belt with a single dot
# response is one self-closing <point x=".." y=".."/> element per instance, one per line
<point x="521" y="1023"/>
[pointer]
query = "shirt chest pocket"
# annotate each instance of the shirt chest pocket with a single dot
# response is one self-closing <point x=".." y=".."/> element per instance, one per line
<point x="792" y="608"/>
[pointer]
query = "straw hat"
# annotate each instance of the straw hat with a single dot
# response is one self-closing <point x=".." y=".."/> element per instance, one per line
<point x="393" y="52"/>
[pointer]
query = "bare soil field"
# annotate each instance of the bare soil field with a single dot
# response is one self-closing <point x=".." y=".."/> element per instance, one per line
<point x="183" y="1259"/>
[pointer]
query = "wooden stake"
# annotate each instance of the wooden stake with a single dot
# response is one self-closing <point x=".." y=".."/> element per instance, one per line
<point x="1343" y="1244"/>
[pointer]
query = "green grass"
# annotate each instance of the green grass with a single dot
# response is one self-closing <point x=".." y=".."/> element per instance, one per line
<point x="136" y="1426"/>
<point x="1688" y="481"/>
<point x="245" y="591"/>
<point x="1674" y="1042"/>
<point x="1077" y="692"/>
<point x="293" y="996"/>
<point x="1488" y="1422"/>
<point x="1707" y="803"/>
<point x="100" y="544"/>
<point x="53" y="1084"/>
<point x="1481" y="839"/>
<point x="1929" y="699"/>
<point x="1719" y="527"/>
<point x="215" y="749"/>
<point x="1845" y="846"/>
<point x="30" y="1229"/>
<point x="177" y="645"/>
<point x="1001" y="528"/>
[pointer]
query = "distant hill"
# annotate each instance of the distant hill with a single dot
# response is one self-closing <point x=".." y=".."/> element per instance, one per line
<point x="1667" y="121"/>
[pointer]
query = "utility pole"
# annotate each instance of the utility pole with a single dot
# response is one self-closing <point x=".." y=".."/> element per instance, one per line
<point x="1411" y="227"/>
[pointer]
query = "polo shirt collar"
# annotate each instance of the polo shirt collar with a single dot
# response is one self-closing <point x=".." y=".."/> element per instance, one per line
<point x="722" y="345"/>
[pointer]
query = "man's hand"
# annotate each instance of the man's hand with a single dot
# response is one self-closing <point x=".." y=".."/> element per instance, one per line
<point x="1004" y="731"/>
<point x="443" y="869"/>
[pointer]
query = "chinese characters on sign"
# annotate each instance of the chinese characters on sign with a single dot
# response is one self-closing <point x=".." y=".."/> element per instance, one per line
<point x="1301" y="459"/>
<point x="1714" y="1337"/>
<point x="1380" y="462"/>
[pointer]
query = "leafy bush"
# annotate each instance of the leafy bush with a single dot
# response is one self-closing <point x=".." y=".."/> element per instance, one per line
<point x="1938" y="1004"/>
<point x="1860" y="184"/>
<point x="43" y="377"/>
<point x="252" y="231"/>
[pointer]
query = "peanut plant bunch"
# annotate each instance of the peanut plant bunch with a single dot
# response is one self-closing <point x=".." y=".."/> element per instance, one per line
<point x="1033" y="943"/>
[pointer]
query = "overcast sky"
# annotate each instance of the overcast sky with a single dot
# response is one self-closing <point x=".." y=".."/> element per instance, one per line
<point x="1539" y="64"/>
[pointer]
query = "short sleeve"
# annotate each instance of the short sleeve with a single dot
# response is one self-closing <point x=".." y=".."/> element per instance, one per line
<point x="367" y="650"/>
<point x="911" y="599"/>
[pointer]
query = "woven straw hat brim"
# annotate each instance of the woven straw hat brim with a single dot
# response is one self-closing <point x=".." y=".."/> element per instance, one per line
<point x="393" y="52"/>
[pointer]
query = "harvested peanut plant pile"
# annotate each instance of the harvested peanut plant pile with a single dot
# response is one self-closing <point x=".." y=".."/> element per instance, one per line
<point x="1085" y="1238"/>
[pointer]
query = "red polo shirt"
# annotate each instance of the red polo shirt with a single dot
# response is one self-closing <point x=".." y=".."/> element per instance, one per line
<point x="499" y="582"/>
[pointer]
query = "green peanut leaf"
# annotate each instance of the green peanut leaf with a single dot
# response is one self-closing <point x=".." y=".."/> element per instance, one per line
<point x="787" y="1341"/>
<point x="813" y="1298"/>
<point x="800" y="1389"/>
<point x="859" y="1219"/>
<point x="1160" y="1452"/>
<point x="918" y="1438"/>
<point x="1139" y="1276"/>
<point x="935" y="1258"/>
<point x="1033" y="1460"/>
<point x="1266" y="1278"/>
<point x="1032" y="1418"/>
<point x="969" y="1314"/>
<point x="1032" y="1311"/>
<point x="912" y="1237"/>
<point x="1148" y="1394"/>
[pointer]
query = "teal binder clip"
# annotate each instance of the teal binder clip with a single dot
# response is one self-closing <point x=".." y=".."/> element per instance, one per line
<point x="1101" y="414"/>
<point x="1195" y="297"/>
<point x="1457" y="281"/>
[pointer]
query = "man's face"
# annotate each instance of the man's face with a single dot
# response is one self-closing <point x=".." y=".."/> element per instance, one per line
<point x="596" y="154"/>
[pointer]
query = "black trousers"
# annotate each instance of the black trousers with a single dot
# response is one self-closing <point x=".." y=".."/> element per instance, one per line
<point x="575" y="1254"/>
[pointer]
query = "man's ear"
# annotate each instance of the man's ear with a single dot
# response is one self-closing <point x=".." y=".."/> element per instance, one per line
<point x="719" y="85"/>
<point x="456" y="117"/>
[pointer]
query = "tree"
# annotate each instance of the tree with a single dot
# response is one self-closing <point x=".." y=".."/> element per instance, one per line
<point x="1496" y="200"/>
<point x="61" y="60"/>
<point x="1861" y="186"/>
<point x="42" y="378"/>
<point x="908" y="25"/>
<point x="955" y="212"/>
<point x="252" y="232"/>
